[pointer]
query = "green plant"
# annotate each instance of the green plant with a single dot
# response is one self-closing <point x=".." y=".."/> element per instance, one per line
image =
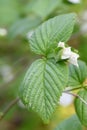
<point x="47" y="78"/>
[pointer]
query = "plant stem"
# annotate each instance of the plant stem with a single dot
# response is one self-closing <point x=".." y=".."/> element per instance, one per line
<point x="2" y="114"/>
<point x="77" y="96"/>
<point x="72" y="89"/>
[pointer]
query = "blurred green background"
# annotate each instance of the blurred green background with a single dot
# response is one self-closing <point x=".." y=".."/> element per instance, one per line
<point x="17" y="20"/>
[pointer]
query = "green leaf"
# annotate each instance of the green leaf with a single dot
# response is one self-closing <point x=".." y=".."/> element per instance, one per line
<point x="77" y="75"/>
<point x="42" y="87"/>
<point x="22" y="26"/>
<point x="71" y="123"/>
<point x="81" y="108"/>
<point x="46" y="37"/>
<point x="41" y="7"/>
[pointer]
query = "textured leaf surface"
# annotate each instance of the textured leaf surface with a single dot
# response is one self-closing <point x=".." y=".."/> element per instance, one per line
<point x="47" y="36"/>
<point x="21" y="27"/>
<point x="42" y="86"/>
<point x="77" y="75"/>
<point x="71" y="123"/>
<point x="81" y="108"/>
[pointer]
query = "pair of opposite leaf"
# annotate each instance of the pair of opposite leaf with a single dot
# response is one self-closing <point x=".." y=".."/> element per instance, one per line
<point x="46" y="79"/>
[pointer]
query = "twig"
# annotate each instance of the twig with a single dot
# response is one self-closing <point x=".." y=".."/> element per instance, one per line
<point x="77" y="96"/>
<point x="72" y="89"/>
<point x="73" y="94"/>
<point x="2" y="114"/>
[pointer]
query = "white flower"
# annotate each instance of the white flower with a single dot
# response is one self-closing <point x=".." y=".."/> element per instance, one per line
<point x="61" y="44"/>
<point x="73" y="58"/>
<point x="68" y="54"/>
<point x="66" y="100"/>
<point x="75" y="1"/>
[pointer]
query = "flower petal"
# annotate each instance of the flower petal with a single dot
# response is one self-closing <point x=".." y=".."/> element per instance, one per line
<point x="73" y="59"/>
<point x="66" y="53"/>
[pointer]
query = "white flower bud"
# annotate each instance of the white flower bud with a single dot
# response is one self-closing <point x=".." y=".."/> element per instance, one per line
<point x="61" y="44"/>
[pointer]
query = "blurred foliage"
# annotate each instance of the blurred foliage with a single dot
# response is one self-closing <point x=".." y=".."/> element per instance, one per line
<point x="67" y="124"/>
<point x="19" y="18"/>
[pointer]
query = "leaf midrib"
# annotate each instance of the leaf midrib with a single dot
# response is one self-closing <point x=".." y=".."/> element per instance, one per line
<point x="45" y="109"/>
